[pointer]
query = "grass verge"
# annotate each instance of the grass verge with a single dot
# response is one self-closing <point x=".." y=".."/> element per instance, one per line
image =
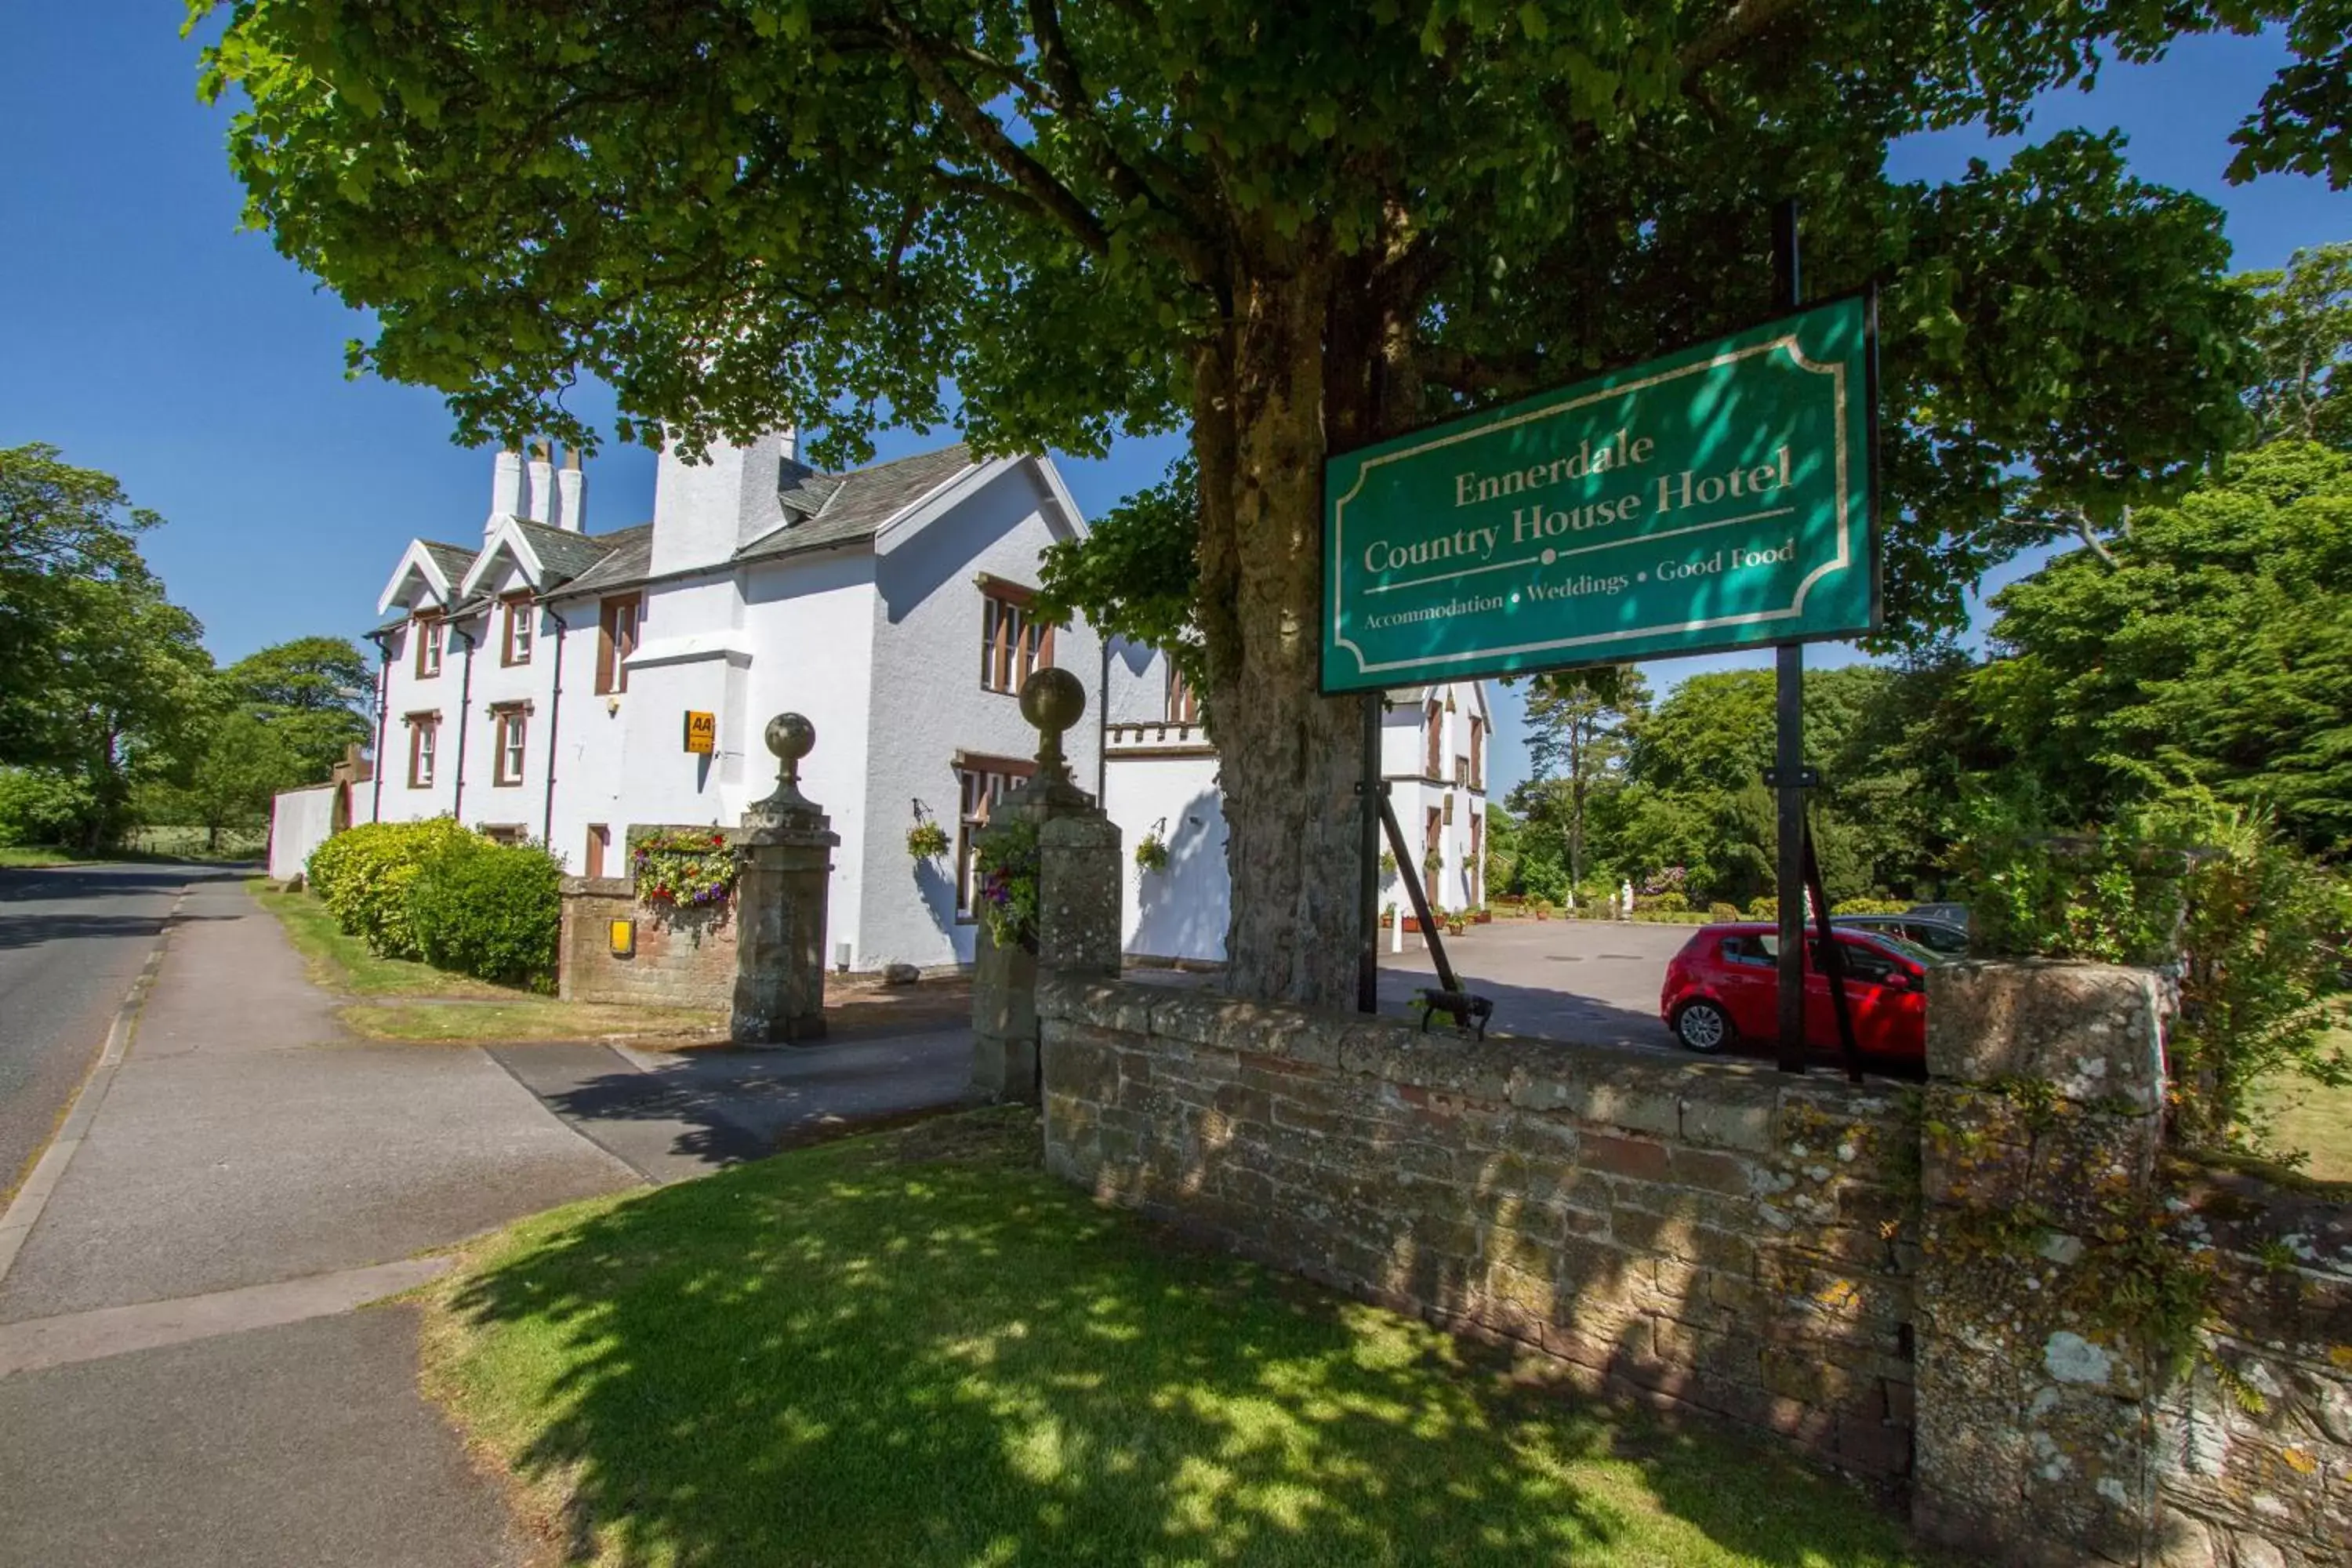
<point x="399" y="1000"/>
<point x="916" y="1347"/>
<point x="343" y="962"/>
<point x="529" y="1018"/>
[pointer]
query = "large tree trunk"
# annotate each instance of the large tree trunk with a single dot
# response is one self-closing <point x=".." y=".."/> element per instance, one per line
<point x="1289" y="758"/>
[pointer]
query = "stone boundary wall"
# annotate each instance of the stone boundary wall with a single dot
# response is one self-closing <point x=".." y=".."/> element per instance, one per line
<point x="682" y="959"/>
<point x="2252" y="1447"/>
<point x="1703" y="1236"/>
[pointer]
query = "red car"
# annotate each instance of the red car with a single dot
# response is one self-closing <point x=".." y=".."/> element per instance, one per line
<point x="1724" y="987"/>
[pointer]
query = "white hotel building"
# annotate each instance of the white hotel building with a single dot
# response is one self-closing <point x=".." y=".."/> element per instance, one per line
<point x="538" y="682"/>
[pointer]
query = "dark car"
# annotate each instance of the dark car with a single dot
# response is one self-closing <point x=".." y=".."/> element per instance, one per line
<point x="1949" y="914"/>
<point x="1940" y="937"/>
<point x="1724" y="987"/>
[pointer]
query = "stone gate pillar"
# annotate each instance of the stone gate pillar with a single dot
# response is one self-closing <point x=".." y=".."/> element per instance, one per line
<point x="786" y="848"/>
<point x="2039" y="1135"/>
<point x="1078" y="898"/>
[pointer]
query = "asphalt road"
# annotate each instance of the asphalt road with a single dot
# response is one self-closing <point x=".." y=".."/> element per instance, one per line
<point x="1589" y="982"/>
<point x="72" y="939"/>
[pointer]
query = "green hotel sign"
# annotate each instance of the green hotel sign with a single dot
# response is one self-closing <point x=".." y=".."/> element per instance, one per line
<point x="1718" y="497"/>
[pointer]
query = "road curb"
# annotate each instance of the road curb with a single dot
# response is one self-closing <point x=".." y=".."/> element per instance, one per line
<point x="31" y="1198"/>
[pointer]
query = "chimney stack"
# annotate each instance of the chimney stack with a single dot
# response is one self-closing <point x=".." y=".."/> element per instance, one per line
<point x="571" y="494"/>
<point x="543" y="481"/>
<point x="506" y="491"/>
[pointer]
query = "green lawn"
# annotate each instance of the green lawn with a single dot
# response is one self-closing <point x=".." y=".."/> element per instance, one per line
<point x="2318" y="1120"/>
<point x="914" y="1348"/>
<point x="399" y="1000"/>
<point x="343" y="962"/>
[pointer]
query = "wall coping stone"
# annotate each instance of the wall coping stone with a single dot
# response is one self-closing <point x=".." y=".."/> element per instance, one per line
<point x="1719" y="1104"/>
<point x="598" y="888"/>
<point x="2094" y="1032"/>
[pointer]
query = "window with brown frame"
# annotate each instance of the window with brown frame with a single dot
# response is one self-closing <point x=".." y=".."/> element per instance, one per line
<point x="981" y="781"/>
<point x="505" y="831"/>
<point x="1015" y="644"/>
<point x="521" y="616"/>
<point x="431" y="632"/>
<point x="1433" y="843"/>
<point x="616" y="640"/>
<point x="423" y="745"/>
<point x="1183" y="703"/>
<point x="599" y="841"/>
<point x="1477" y="753"/>
<point x="512" y="727"/>
<point x="1436" y="759"/>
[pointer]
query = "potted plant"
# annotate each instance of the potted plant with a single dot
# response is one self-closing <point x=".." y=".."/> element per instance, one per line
<point x="1481" y="915"/>
<point x="1388" y="915"/>
<point x="1542" y="908"/>
<point x="927" y="841"/>
<point x="1151" y="853"/>
<point x="1454" y="926"/>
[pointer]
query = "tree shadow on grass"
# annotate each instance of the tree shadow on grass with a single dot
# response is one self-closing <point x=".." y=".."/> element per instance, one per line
<point x="919" y="1349"/>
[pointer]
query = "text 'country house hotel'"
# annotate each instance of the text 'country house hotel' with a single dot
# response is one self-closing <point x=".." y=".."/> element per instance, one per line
<point x="538" y="683"/>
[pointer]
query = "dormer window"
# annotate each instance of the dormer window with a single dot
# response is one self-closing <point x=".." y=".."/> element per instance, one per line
<point x="519" y="615"/>
<point x="430" y="631"/>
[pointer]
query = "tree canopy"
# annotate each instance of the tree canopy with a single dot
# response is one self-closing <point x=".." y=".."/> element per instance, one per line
<point x="1289" y="229"/>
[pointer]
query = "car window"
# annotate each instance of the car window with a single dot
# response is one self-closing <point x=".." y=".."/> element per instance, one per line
<point x="1926" y="957"/>
<point x="1934" y="936"/>
<point x="1751" y="948"/>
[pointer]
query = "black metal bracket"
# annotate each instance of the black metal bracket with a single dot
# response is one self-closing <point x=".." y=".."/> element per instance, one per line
<point x="1807" y="778"/>
<point x="1466" y="1010"/>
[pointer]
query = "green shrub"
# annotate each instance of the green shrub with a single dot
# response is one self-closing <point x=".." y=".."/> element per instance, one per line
<point x="1868" y="907"/>
<point x="42" y="805"/>
<point x="362" y="875"/>
<point x="490" y="911"/>
<point x="1668" y="903"/>
<point x="2255" y="928"/>
<point x="1718" y="913"/>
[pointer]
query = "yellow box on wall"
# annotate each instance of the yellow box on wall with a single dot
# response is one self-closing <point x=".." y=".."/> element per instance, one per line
<point x="624" y="938"/>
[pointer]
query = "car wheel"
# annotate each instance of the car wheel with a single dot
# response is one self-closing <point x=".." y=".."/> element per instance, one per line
<point x="1703" y="1027"/>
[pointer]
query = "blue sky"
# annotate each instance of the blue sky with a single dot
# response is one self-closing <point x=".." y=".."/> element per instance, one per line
<point x="145" y="334"/>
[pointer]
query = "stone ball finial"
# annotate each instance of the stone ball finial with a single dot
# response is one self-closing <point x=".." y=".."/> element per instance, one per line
<point x="791" y="736"/>
<point x="1053" y="700"/>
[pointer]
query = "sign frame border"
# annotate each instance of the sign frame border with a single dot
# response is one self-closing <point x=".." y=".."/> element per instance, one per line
<point x="1873" y="511"/>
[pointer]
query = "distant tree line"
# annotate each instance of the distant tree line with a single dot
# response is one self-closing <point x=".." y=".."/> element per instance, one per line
<point x="2203" y="645"/>
<point x="113" y="714"/>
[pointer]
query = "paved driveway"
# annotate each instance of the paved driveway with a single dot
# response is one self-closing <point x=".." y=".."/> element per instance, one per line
<point x="1594" y="982"/>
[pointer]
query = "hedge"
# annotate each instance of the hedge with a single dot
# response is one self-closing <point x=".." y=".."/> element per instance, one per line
<point x="362" y="874"/>
<point x="490" y="911"/>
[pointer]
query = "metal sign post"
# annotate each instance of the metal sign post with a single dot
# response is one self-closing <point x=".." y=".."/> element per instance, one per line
<point x="1789" y="743"/>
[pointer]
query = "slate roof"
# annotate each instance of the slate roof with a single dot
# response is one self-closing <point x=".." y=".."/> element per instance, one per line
<point x="628" y="557"/>
<point x="850" y="507"/>
<point x="565" y="554"/>
<point x="455" y="560"/>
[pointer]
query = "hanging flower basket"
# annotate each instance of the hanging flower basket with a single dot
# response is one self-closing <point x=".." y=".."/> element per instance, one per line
<point x="1006" y="860"/>
<point x="1151" y="852"/>
<point x="927" y="841"/>
<point x="684" y="868"/>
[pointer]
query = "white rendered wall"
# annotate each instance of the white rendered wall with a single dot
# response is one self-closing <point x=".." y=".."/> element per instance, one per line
<point x="405" y="694"/>
<point x="1139" y="683"/>
<point x="487" y="802"/>
<point x="811" y="620"/>
<point x="1181" y="912"/>
<point x="928" y="704"/>
<point x="299" y="821"/>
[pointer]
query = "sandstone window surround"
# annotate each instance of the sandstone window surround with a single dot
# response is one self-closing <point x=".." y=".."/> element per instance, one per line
<point x="600" y="843"/>
<point x="424" y="747"/>
<point x="520" y="617"/>
<point x="1014" y="643"/>
<point x="510" y="727"/>
<point x="1436" y="723"/>
<point x="981" y="781"/>
<point x="431" y="632"/>
<point x="617" y="622"/>
<point x="1477" y="753"/>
